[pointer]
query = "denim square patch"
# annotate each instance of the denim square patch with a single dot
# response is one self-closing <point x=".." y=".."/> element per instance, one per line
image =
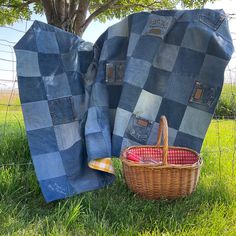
<point x="134" y="38"/>
<point x="48" y="165"/>
<point x="137" y="71"/>
<point x="104" y="52"/>
<point x="187" y="140"/>
<point x="166" y="57"/>
<point x="67" y="42"/>
<point x="85" y="59"/>
<point x="56" y="188"/>
<point x="127" y="143"/>
<point x="50" y="64"/>
<point x="195" y="122"/>
<point x="147" y="47"/>
<point x="176" y="33"/>
<point x="27" y="86"/>
<point x="70" y="60"/>
<point x="129" y="96"/>
<point x="73" y="159"/>
<point x="157" y="82"/>
<point x="46" y="42"/>
<point x="120" y="29"/>
<point x="180" y="88"/>
<point x="147" y="105"/>
<point x="218" y="47"/>
<point x="36" y="115"/>
<point x="80" y="106"/>
<point x="90" y="180"/>
<point x="212" y="71"/>
<point x="56" y="86"/>
<point x="152" y="139"/>
<point x="97" y="146"/>
<point x="93" y="121"/>
<point x="114" y="92"/>
<point x="76" y="82"/>
<point x="99" y="95"/>
<point x="196" y="38"/>
<point x="173" y="111"/>
<point x="112" y="115"/>
<point x="27" y="63"/>
<point x="117" y="48"/>
<point x="61" y="110"/>
<point x="139" y="22"/>
<point x="67" y="134"/>
<point x="188" y="62"/>
<point x="116" y="145"/>
<point x="28" y="42"/>
<point x="42" y="141"/>
<point x="121" y="121"/>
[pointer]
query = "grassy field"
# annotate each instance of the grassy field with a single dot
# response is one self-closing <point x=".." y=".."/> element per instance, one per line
<point x="211" y="210"/>
<point x="227" y="103"/>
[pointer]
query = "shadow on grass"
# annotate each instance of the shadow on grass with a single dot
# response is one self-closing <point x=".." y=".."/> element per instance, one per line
<point x="112" y="210"/>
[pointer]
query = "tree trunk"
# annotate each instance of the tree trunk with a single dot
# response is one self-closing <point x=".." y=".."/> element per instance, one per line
<point x="67" y="14"/>
<point x="71" y="15"/>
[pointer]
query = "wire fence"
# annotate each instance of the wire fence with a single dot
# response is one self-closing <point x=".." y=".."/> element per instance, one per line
<point x="10" y="103"/>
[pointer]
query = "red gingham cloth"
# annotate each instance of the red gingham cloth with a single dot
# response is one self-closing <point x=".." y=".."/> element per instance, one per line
<point x="154" y="155"/>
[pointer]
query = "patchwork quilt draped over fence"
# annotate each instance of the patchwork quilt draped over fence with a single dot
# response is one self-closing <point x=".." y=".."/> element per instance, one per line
<point x="83" y="103"/>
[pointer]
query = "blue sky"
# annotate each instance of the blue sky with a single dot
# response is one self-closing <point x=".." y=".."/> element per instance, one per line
<point x="92" y="33"/>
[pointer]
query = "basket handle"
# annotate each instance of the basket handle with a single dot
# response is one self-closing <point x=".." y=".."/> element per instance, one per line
<point x="163" y="133"/>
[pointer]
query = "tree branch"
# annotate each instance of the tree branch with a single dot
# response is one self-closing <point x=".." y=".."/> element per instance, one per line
<point x="98" y="12"/>
<point x="80" y="16"/>
<point x="150" y="6"/>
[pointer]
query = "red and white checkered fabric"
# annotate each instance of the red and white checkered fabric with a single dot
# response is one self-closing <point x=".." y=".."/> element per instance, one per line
<point x="154" y="155"/>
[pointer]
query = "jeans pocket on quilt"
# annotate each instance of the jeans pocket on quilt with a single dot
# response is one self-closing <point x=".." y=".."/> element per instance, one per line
<point x="138" y="129"/>
<point x="204" y="94"/>
<point x="212" y="19"/>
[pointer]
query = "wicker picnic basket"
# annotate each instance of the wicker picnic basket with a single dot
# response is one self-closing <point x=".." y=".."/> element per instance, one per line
<point x="173" y="174"/>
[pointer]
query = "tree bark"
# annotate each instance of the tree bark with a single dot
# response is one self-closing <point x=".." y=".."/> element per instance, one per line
<point x="71" y="15"/>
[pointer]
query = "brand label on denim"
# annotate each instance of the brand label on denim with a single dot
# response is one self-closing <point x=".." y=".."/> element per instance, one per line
<point x="158" y="25"/>
<point x="203" y="94"/>
<point x="138" y="129"/>
<point x="115" y="72"/>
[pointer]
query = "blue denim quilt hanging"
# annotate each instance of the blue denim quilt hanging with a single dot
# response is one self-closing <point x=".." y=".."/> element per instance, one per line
<point x="83" y="103"/>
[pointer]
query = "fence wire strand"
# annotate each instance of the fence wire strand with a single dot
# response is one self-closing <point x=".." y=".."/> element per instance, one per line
<point x="9" y="97"/>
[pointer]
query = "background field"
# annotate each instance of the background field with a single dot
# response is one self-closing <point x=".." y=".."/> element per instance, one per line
<point x="211" y="210"/>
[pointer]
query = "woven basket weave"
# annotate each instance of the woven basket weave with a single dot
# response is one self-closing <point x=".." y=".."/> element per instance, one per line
<point x="162" y="171"/>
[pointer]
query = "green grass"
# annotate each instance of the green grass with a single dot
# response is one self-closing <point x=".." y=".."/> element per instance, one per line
<point x="11" y="98"/>
<point x="114" y="210"/>
<point x="226" y="106"/>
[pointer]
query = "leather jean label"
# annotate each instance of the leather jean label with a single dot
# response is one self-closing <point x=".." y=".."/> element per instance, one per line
<point x="115" y="72"/>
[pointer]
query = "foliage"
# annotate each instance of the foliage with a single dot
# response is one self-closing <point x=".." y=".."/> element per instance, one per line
<point x="62" y="13"/>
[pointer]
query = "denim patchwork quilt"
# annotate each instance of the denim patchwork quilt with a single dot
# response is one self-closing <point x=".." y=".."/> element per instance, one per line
<point x="84" y="103"/>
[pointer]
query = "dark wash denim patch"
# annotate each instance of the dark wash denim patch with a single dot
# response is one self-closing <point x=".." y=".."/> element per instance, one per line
<point x="83" y="102"/>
